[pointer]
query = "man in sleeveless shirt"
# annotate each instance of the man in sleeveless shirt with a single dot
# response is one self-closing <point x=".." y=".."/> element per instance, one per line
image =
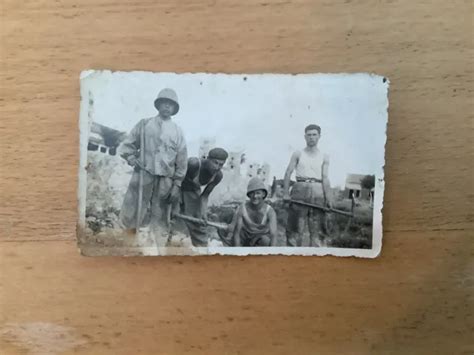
<point x="312" y="186"/>
<point x="255" y="222"/>
<point x="164" y="165"/>
<point x="202" y="176"/>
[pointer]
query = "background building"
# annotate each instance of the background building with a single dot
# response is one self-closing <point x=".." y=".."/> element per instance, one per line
<point x="354" y="188"/>
<point x="104" y="139"/>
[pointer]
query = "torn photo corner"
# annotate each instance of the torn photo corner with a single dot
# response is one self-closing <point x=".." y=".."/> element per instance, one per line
<point x="201" y="164"/>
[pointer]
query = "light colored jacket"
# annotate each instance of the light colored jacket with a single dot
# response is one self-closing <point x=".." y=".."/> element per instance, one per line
<point x="164" y="147"/>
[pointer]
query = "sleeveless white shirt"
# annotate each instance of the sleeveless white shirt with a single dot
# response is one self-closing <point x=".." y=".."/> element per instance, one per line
<point x="310" y="166"/>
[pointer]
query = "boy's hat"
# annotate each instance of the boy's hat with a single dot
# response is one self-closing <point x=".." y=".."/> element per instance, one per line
<point x="256" y="184"/>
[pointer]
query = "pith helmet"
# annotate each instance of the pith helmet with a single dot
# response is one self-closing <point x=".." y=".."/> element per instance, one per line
<point x="256" y="184"/>
<point x="168" y="95"/>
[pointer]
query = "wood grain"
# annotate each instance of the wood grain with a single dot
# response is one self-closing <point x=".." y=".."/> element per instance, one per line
<point x="413" y="299"/>
<point x="407" y="301"/>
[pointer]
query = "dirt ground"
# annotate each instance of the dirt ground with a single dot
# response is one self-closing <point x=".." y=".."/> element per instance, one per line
<point x="103" y="229"/>
<point x="107" y="181"/>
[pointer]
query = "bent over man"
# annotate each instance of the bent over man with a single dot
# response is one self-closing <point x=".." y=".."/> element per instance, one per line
<point x="312" y="186"/>
<point x="202" y="176"/>
<point x="164" y="165"/>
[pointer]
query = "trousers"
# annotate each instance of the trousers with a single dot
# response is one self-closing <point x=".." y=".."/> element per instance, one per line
<point x="300" y="216"/>
<point x="155" y="194"/>
<point x="192" y="207"/>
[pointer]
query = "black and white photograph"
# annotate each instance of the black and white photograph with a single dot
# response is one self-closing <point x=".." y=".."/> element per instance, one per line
<point x="233" y="164"/>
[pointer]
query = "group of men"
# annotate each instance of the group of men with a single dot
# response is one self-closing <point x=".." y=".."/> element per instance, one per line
<point x="166" y="183"/>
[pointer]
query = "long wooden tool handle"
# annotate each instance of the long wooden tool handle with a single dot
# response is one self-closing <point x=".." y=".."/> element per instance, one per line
<point x="201" y="221"/>
<point x="140" y="183"/>
<point x="326" y="209"/>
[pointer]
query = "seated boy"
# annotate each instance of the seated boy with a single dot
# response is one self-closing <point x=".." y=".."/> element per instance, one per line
<point x="255" y="223"/>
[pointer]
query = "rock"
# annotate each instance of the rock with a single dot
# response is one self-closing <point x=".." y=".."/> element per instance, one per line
<point x="107" y="181"/>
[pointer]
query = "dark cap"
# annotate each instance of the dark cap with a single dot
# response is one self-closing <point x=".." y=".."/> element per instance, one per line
<point x="217" y="153"/>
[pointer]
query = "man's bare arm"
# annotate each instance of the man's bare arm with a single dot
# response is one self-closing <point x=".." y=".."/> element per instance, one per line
<point x="205" y="194"/>
<point x="326" y="183"/>
<point x="273" y="227"/>
<point x="289" y="170"/>
<point x="237" y="223"/>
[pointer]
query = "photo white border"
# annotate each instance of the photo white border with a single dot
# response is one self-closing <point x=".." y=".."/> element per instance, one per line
<point x="86" y="78"/>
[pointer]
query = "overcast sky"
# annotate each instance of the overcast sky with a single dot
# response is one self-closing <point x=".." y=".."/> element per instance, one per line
<point x="263" y="116"/>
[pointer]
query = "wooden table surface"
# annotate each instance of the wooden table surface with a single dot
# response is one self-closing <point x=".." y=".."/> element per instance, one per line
<point x="415" y="298"/>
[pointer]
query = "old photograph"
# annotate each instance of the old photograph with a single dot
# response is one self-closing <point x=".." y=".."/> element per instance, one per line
<point x="200" y="164"/>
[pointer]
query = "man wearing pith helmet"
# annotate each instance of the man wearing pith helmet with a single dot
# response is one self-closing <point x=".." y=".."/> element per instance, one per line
<point x="312" y="186"/>
<point x="255" y="221"/>
<point x="164" y="165"/>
